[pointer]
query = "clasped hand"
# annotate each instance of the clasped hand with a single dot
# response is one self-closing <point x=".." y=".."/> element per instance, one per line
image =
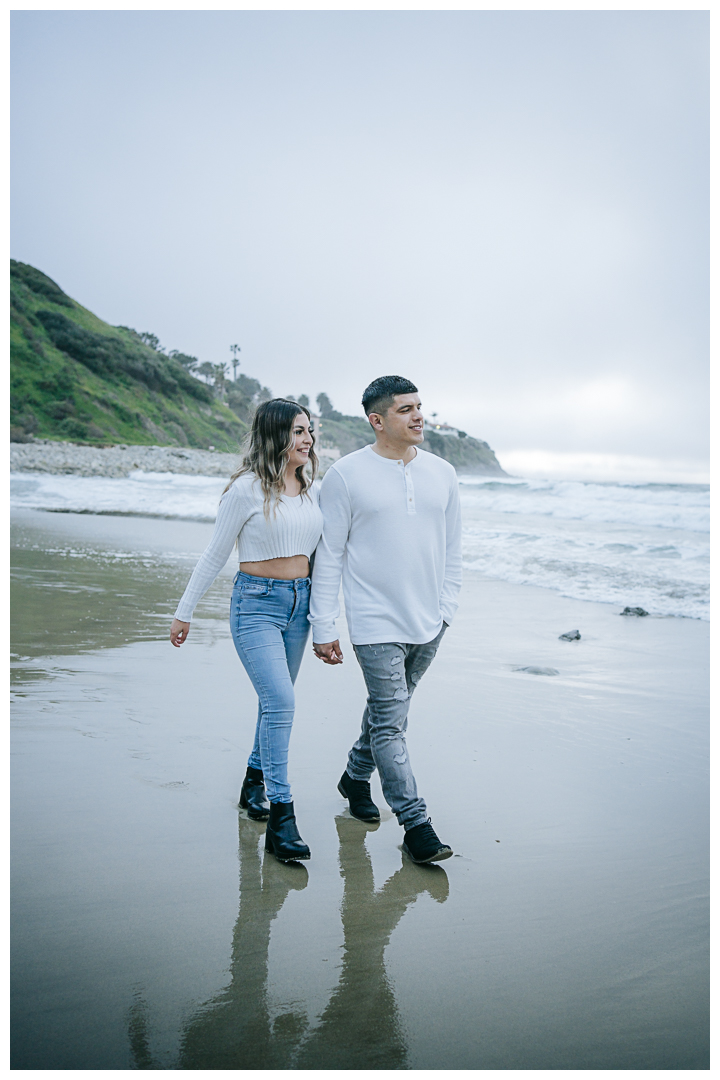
<point x="329" y="653"/>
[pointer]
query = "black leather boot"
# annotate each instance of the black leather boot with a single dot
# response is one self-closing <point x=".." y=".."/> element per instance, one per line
<point x="252" y="795"/>
<point x="282" y="838"/>
<point x="357" y="793"/>
<point x="423" y="844"/>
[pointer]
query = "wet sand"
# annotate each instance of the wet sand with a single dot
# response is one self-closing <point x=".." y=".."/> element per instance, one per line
<point x="149" y="930"/>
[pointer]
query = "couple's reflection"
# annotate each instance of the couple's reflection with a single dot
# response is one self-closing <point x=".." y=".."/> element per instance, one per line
<point x="359" y="1028"/>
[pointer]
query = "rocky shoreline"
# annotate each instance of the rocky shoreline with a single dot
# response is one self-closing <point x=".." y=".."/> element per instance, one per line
<point x="49" y="456"/>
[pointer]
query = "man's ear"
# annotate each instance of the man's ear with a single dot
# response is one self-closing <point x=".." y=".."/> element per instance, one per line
<point x="376" y="421"/>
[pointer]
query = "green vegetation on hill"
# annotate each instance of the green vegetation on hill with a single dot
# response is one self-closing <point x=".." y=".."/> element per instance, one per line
<point x="74" y="377"/>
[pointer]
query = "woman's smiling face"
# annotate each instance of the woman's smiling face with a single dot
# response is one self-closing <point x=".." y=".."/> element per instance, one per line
<point x="302" y="442"/>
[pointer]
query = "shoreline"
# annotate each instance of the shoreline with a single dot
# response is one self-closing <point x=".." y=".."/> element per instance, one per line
<point x="469" y="573"/>
<point x="55" y="458"/>
<point x="521" y="545"/>
<point x="119" y="461"/>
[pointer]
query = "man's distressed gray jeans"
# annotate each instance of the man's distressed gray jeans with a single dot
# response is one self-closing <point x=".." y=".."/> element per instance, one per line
<point x="392" y="670"/>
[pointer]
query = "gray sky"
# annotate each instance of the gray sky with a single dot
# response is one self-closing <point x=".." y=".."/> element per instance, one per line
<point x="509" y="208"/>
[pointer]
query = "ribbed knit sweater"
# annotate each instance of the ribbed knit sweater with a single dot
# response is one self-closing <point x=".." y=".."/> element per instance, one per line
<point x="392" y="532"/>
<point x="292" y="528"/>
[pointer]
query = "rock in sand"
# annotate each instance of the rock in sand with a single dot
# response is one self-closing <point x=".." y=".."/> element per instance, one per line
<point x="537" y="670"/>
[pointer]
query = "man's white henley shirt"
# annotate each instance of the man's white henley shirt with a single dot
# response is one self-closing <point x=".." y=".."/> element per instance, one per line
<point x="392" y="533"/>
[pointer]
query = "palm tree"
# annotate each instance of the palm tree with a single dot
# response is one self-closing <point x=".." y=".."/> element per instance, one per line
<point x="235" y="349"/>
<point x="220" y="374"/>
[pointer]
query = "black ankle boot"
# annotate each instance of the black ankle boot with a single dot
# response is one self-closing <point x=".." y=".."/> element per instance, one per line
<point x="423" y="844"/>
<point x="282" y="838"/>
<point x="357" y="793"/>
<point x="252" y="795"/>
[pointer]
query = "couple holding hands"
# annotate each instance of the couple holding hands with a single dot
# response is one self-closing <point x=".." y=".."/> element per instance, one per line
<point x="386" y="523"/>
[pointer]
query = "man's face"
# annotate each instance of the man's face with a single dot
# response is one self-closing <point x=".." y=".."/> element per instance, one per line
<point x="403" y="422"/>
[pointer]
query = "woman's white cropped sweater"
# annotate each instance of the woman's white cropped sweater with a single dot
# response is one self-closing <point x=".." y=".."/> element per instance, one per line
<point x="293" y="527"/>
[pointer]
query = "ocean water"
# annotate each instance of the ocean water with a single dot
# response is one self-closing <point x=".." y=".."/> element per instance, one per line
<point x="632" y="544"/>
<point x="628" y="544"/>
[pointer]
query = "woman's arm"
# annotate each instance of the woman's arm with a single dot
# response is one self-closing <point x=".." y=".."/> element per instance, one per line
<point x="234" y="510"/>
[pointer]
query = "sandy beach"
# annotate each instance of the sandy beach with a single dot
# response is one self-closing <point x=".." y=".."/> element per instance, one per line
<point x="569" y="931"/>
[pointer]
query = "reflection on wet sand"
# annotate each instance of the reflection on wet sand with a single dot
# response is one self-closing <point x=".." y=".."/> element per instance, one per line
<point x="360" y="1027"/>
<point x="234" y="1030"/>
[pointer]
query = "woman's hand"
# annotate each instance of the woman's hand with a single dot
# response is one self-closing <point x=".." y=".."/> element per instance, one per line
<point x="179" y="632"/>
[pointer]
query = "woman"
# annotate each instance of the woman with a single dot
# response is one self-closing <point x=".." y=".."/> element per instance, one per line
<point x="269" y="510"/>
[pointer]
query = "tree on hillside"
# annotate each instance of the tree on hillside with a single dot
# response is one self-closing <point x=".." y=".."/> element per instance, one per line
<point x="206" y="371"/>
<point x="151" y="340"/>
<point x="252" y="389"/>
<point x="304" y="400"/>
<point x="188" y="362"/>
<point x="244" y="394"/>
<point x="235" y="349"/>
<point x="325" y="408"/>
<point x="220" y="377"/>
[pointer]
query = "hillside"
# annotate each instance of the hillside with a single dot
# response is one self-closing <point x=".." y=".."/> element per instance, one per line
<point x="348" y="433"/>
<point x="75" y="378"/>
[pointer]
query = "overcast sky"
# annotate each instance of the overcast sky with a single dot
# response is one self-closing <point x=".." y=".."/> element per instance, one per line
<point x="509" y="208"/>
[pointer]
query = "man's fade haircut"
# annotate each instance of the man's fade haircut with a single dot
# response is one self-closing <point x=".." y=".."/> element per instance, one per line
<point x="378" y="397"/>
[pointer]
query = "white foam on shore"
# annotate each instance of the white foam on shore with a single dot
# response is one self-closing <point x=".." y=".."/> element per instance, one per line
<point x="643" y="545"/>
<point x="631" y="544"/>
<point x="669" y="506"/>
<point x="158" y="494"/>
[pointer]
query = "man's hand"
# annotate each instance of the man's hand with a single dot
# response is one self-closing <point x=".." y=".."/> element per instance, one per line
<point x="179" y="632"/>
<point x="330" y="653"/>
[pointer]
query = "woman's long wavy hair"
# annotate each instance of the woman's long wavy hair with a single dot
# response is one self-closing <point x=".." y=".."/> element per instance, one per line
<point x="265" y="453"/>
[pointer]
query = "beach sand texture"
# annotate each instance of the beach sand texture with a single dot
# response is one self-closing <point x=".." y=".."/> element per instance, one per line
<point x="569" y="931"/>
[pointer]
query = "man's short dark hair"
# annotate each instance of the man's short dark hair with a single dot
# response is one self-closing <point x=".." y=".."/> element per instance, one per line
<point x="380" y="393"/>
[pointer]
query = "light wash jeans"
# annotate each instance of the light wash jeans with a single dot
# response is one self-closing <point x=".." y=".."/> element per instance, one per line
<point x="392" y="670"/>
<point x="270" y="627"/>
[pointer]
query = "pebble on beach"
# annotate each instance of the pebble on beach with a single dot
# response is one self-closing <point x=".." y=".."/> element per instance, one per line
<point x="532" y="670"/>
<point x="572" y="635"/>
<point x="638" y="611"/>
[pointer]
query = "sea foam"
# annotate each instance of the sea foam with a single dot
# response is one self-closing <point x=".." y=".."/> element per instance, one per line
<point x="643" y="545"/>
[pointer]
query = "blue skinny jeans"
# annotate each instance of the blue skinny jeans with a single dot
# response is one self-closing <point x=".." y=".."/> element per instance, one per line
<point x="269" y="624"/>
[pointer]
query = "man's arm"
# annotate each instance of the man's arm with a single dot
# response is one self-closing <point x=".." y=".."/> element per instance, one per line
<point x="327" y="570"/>
<point x="453" y="555"/>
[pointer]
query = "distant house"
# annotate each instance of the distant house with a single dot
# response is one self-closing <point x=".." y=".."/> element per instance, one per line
<point x="445" y="429"/>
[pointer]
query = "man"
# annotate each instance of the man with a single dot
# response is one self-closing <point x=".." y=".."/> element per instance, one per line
<point x="391" y="531"/>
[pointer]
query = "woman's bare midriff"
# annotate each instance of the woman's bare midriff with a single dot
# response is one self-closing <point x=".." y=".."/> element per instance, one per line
<point x="296" y="566"/>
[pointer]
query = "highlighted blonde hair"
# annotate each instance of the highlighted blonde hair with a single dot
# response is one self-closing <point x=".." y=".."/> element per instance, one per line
<point x="270" y="441"/>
